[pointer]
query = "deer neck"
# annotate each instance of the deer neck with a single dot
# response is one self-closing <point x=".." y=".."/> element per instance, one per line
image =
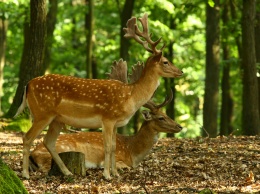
<point x="141" y="143"/>
<point x="145" y="87"/>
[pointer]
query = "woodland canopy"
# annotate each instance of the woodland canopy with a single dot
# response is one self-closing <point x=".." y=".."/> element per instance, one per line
<point x="215" y="43"/>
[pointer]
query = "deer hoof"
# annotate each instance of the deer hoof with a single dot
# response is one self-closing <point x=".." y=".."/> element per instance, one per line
<point x="26" y="175"/>
<point x="108" y="177"/>
<point x="115" y="173"/>
<point x="68" y="174"/>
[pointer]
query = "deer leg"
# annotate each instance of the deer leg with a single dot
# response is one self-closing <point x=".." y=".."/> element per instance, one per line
<point x="113" y="153"/>
<point x="28" y="138"/>
<point x="108" y="138"/>
<point x="50" y="144"/>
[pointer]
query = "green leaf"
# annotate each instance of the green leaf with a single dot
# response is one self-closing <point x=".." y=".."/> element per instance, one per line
<point x="211" y="3"/>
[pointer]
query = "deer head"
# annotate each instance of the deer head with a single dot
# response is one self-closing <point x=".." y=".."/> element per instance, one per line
<point x="161" y="122"/>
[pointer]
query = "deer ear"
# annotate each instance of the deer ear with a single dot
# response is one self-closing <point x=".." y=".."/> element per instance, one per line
<point x="147" y="116"/>
<point x="158" y="57"/>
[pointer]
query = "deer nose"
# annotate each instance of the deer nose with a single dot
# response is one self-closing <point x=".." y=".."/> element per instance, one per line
<point x="180" y="127"/>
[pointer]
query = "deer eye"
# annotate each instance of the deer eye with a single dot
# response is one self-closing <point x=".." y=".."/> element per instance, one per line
<point x="161" y="119"/>
<point x="165" y="63"/>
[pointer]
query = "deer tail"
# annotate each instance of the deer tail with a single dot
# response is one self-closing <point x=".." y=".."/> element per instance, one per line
<point x="23" y="104"/>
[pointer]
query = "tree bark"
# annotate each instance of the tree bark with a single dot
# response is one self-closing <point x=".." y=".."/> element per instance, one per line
<point x="210" y="108"/>
<point x="169" y="82"/>
<point x="50" y="27"/>
<point x="257" y="49"/>
<point x="34" y="44"/>
<point x="125" y="15"/>
<point x="234" y="17"/>
<point x="3" y="30"/>
<point x="226" y="105"/>
<point x="250" y="113"/>
<point x="74" y="161"/>
<point x="89" y="24"/>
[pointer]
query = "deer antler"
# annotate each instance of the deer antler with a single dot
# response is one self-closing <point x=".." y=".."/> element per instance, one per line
<point x="137" y="70"/>
<point x="119" y="71"/>
<point x="132" y="31"/>
<point x="152" y="106"/>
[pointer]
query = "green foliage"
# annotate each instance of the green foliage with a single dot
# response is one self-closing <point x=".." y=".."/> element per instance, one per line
<point x="14" y="12"/>
<point x="181" y="22"/>
<point x="21" y="123"/>
<point x="9" y="182"/>
<point x="211" y="3"/>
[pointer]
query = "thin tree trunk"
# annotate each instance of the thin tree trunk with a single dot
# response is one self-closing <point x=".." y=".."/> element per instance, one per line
<point x="3" y="30"/>
<point x="50" y="25"/>
<point x="257" y="49"/>
<point x="170" y="109"/>
<point x="89" y="24"/>
<point x="169" y="82"/>
<point x="250" y="113"/>
<point x="33" y="54"/>
<point x="125" y="15"/>
<point x="234" y="12"/>
<point x="226" y="105"/>
<point x="210" y="108"/>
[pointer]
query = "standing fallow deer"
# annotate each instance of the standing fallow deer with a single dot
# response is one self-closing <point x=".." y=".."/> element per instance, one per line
<point x="130" y="150"/>
<point x="55" y="100"/>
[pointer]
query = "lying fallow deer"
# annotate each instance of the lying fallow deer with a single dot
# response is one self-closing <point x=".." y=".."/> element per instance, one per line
<point x="130" y="150"/>
<point x="55" y="100"/>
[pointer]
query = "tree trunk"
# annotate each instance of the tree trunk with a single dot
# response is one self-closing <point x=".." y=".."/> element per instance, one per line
<point x="169" y="82"/>
<point x="250" y="113"/>
<point x="89" y="25"/>
<point x="125" y="15"/>
<point x="170" y="109"/>
<point x="210" y="108"/>
<point x="32" y="60"/>
<point x="234" y="12"/>
<point x="3" y="30"/>
<point x="50" y="26"/>
<point x="226" y="105"/>
<point x="74" y="161"/>
<point x="257" y="49"/>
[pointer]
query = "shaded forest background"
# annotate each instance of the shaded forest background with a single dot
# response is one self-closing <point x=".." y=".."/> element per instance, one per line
<point x="215" y="43"/>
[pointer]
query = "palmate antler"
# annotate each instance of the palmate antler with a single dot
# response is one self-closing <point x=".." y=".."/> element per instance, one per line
<point x="132" y="31"/>
<point x="119" y="71"/>
<point x="137" y="70"/>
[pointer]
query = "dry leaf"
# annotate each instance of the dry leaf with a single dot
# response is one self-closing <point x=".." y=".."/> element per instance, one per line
<point x="173" y="166"/>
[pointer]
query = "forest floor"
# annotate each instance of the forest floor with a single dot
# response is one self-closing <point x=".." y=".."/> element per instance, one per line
<point x="218" y="165"/>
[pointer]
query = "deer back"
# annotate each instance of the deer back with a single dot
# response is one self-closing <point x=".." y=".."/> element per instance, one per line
<point x="80" y="102"/>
